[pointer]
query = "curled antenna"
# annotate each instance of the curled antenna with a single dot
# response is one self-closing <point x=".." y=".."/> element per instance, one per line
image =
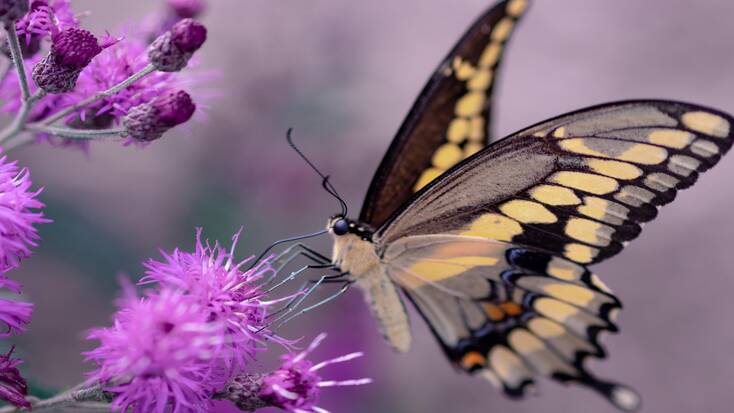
<point x="325" y="183"/>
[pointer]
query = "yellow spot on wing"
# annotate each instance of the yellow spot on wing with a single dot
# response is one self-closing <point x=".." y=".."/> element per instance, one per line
<point x="458" y="130"/>
<point x="615" y="169"/>
<point x="476" y="128"/>
<point x="490" y="55"/>
<point x="644" y="154"/>
<point x="589" y="231"/>
<point x="446" y="156"/>
<point x="564" y="270"/>
<point x="545" y="328"/>
<point x="426" y="177"/>
<point x="516" y="7"/>
<point x="471" y="148"/>
<point x="435" y="270"/>
<point x="580" y="253"/>
<point x="502" y="29"/>
<point x="528" y="212"/>
<point x="471" y="104"/>
<point x="595" y="184"/>
<point x="481" y="80"/>
<point x="603" y="210"/>
<point x="555" y="310"/>
<point x="708" y="123"/>
<point x="671" y="138"/>
<point x="494" y="226"/>
<point x="554" y="195"/>
<point x="508" y="366"/>
<point x="569" y="293"/>
<point x="560" y="132"/>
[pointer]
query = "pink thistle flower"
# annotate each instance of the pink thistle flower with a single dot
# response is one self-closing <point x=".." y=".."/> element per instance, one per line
<point x="14" y="314"/>
<point x="18" y="215"/>
<point x="231" y="295"/>
<point x="45" y="18"/>
<point x="295" y="386"/>
<point x="159" y="353"/>
<point x="13" y="387"/>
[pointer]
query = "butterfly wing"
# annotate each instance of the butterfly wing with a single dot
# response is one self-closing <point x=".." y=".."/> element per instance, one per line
<point x="508" y="313"/>
<point x="450" y="118"/>
<point x="577" y="186"/>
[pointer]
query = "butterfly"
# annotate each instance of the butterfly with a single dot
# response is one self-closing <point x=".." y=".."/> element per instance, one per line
<point x="492" y="242"/>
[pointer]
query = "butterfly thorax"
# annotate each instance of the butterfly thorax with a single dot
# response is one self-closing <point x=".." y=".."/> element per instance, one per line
<point x="354" y="253"/>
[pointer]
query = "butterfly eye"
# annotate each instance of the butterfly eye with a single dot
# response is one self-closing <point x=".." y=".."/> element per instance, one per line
<point x="340" y="227"/>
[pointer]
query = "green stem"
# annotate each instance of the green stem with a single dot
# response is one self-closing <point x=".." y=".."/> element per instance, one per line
<point x="17" y="57"/>
<point x="100" y="95"/>
<point x="69" y="133"/>
<point x="67" y="399"/>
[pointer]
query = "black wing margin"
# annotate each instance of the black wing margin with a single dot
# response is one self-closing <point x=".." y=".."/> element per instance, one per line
<point x="450" y="118"/>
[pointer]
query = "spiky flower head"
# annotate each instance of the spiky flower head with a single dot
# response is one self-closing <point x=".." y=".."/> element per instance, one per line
<point x="45" y="18"/>
<point x="13" y="387"/>
<point x="19" y="214"/>
<point x="12" y="10"/>
<point x="229" y="291"/>
<point x="294" y="386"/>
<point x="14" y="315"/>
<point x="72" y="50"/>
<point x="171" y="51"/>
<point x="159" y="353"/>
<point x="149" y="121"/>
<point x="185" y="9"/>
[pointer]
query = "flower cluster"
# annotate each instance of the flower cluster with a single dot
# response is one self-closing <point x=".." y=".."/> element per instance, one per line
<point x="192" y="338"/>
<point x="19" y="214"/>
<point x="107" y="85"/>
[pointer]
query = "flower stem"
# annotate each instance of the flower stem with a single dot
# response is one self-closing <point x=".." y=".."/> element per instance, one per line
<point x="20" y="118"/>
<point x="17" y="57"/>
<point x="69" y="398"/>
<point x="70" y="133"/>
<point x="100" y="95"/>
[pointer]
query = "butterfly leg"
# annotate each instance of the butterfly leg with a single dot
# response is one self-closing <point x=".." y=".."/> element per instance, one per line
<point x="289" y="255"/>
<point x="296" y="301"/>
<point x="342" y="290"/>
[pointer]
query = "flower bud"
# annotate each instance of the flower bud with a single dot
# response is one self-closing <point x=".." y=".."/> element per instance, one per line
<point x="171" y="51"/>
<point x="12" y="10"/>
<point x="71" y="51"/>
<point x="149" y="121"/>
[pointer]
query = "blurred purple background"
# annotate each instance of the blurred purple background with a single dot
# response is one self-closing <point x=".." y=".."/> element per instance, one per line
<point x="343" y="74"/>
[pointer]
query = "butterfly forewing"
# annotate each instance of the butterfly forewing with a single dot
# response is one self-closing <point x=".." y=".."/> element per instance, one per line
<point x="577" y="186"/>
<point x="450" y="118"/>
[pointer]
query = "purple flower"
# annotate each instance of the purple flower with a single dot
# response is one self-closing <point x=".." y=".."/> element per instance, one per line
<point x="72" y="49"/>
<point x="44" y="19"/>
<point x="171" y="51"/>
<point x="184" y="9"/>
<point x="18" y="215"/>
<point x="149" y="121"/>
<point x="12" y="10"/>
<point x="294" y="387"/>
<point x="230" y="294"/>
<point x="160" y="353"/>
<point x="13" y="387"/>
<point x="14" y="315"/>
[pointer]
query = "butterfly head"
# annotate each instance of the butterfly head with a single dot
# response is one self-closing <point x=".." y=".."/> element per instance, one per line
<point x="340" y="225"/>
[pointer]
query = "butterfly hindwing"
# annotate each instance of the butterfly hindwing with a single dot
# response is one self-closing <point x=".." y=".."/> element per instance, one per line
<point x="508" y="313"/>
<point x="577" y="186"/>
<point x="450" y="118"/>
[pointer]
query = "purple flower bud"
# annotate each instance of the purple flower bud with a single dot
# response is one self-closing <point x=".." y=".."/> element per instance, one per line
<point x="13" y="387"/>
<point x="72" y="50"/>
<point x="151" y="120"/>
<point x="12" y="10"/>
<point x="186" y="9"/>
<point x="171" y="51"/>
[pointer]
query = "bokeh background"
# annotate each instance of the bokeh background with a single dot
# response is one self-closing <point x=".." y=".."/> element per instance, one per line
<point x="343" y="74"/>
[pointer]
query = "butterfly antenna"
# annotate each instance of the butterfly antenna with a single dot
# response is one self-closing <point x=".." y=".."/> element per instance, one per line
<point x="328" y="187"/>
